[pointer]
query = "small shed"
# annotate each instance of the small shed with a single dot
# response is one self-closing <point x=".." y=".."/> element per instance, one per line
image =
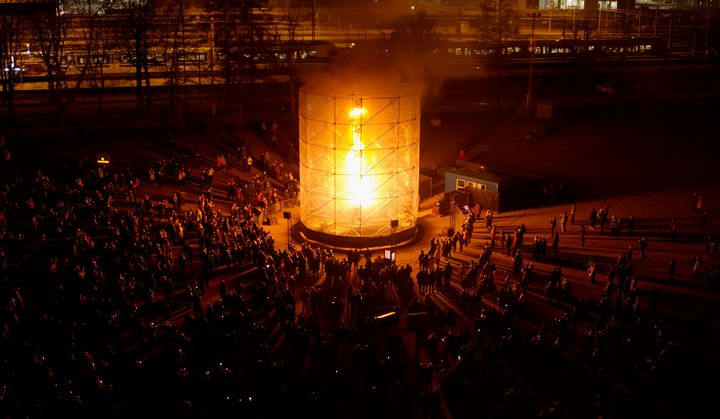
<point x="499" y="192"/>
<point x="425" y="187"/>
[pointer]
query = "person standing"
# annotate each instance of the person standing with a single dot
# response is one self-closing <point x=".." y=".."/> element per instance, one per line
<point x="671" y="270"/>
<point x="582" y="235"/>
<point x="592" y="271"/>
<point x="673" y="230"/>
<point x="563" y="222"/>
<point x="553" y="223"/>
<point x="643" y="246"/>
<point x="520" y="232"/>
<point x="572" y="214"/>
<point x="593" y="218"/>
<point x="556" y="243"/>
<point x="696" y="267"/>
<point x="699" y="204"/>
<point x="5" y="154"/>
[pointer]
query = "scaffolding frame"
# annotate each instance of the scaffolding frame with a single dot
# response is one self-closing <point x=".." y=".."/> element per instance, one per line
<point x="359" y="159"/>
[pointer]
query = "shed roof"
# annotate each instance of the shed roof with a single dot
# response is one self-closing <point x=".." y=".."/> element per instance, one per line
<point x="479" y="174"/>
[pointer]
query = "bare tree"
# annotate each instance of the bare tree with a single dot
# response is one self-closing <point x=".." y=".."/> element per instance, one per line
<point x="485" y="23"/>
<point x="138" y="23"/>
<point x="95" y="29"/>
<point x="414" y="31"/>
<point x="225" y="30"/>
<point x="292" y="27"/>
<point x="64" y="74"/>
<point x="173" y="49"/>
<point x="282" y="43"/>
<point x="238" y="37"/>
<point x="497" y="20"/>
<point x="11" y="38"/>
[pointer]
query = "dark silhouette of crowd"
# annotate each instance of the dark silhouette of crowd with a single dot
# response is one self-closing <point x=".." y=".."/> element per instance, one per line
<point x="119" y="304"/>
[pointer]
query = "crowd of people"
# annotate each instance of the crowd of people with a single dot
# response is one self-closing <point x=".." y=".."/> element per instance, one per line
<point x="121" y="299"/>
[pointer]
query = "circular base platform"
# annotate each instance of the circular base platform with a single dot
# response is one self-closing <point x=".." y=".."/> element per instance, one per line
<point x="303" y="234"/>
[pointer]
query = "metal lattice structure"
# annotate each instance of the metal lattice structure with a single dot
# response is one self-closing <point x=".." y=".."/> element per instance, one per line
<point x="359" y="154"/>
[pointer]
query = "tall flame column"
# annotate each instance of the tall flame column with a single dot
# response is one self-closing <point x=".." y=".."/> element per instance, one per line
<point x="359" y="153"/>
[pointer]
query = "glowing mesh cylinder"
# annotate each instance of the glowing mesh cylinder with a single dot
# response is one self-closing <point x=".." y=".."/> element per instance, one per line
<point x="359" y="153"/>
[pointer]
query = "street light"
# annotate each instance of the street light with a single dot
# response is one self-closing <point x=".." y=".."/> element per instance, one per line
<point x="528" y="102"/>
<point x="314" y="20"/>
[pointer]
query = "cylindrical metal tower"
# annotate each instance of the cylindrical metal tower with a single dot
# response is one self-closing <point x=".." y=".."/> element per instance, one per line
<point x="359" y="155"/>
